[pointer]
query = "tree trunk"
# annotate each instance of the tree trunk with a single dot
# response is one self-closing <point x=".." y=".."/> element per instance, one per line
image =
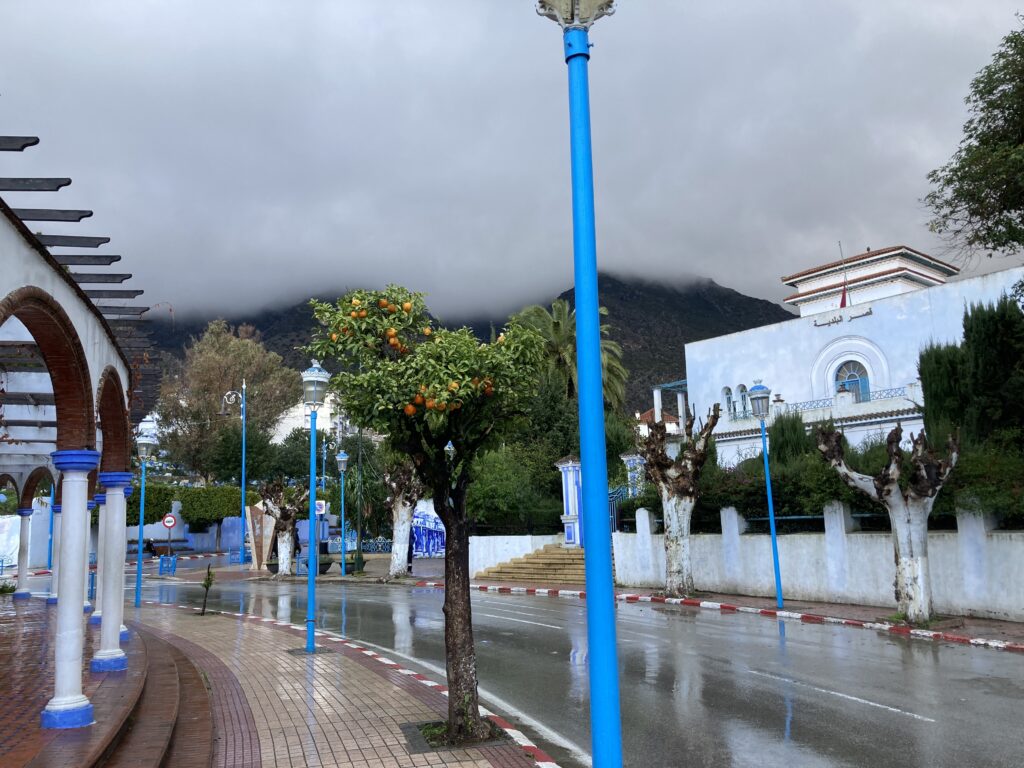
<point x="401" y="515"/>
<point x="285" y="549"/>
<point x="678" y="565"/>
<point x="913" y="588"/>
<point x="464" y="722"/>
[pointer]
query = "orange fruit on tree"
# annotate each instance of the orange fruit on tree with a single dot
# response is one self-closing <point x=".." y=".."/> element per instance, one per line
<point x="334" y="337"/>
<point x="453" y="386"/>
<point x="391" y="332"/>
<point x="440" y="406"/>
<point x="489" y="391"/>
<point x="392" y="308"/>
<point x="382" y="303"/>
<point x="410" y="410"/>
<point x="427" y="331"/>
<point x="418" y="399"/>
<point x="362" y="313"/>
<point x="393" y="341"/>
<point x="430" y="404"/>
<point x="354" y="313"/>
<point x="407" y="306"/>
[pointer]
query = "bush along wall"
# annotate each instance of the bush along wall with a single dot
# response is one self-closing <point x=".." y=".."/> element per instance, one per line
<point x="200" y="507"/>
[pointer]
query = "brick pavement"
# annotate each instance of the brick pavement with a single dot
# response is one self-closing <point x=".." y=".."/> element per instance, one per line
<point x="341" y="708"/>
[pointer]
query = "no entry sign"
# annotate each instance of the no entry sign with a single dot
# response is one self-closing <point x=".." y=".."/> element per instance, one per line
<point x="169" y="521"/>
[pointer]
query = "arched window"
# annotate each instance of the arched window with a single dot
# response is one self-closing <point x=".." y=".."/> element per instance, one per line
<point x="730" y="406"/>
<point x="741" y="391"/>
<point x="854" y="378"/>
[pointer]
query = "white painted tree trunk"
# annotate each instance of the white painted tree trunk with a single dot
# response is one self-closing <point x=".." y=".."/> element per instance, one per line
<point x="285" y="549"/>
<point x="401" y="522"/>
<point x="678" y="565"/>
<point x="910" y="543"/>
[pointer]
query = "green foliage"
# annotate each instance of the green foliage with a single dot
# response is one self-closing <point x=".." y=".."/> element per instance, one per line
<point x="503" y="496"/>
<point x="7" y="587"/>
<point x="940" y="368"/>
<point x="978" y="200"/>
<point x="987" y="479"/>
<point x="557" y="328"/>
<point x="200" y="507"/>
<point x="788" y="438"/>
<point x="9" y="504"/>
<point x="190" y="400"/>
<point x="261" y="457"/>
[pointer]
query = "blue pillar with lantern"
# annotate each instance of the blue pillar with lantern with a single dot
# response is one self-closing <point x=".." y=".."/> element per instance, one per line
<point x="314" y="388"/>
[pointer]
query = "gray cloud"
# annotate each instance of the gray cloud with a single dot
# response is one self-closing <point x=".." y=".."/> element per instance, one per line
<point x="244" y="154"/>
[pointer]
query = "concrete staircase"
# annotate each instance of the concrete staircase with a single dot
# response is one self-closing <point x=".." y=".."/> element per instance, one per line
<point x="551" y="565"/>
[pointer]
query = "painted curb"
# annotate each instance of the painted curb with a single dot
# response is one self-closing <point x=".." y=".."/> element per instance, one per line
<point x="806" y="618"/>
<point x="541" y="758"/>
<point x="131" y="563"/>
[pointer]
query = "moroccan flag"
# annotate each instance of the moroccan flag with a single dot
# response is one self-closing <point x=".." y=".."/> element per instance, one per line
<point x="842" y="301"/>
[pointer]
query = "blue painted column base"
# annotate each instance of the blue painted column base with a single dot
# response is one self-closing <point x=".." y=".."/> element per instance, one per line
<point x="125" y="636"/>
<point x="94" y="619"/>
<point x="114" y="664"/>
<point x="21" y="595"/>
<point x="51" y="601"/>
<point x="86" y="609"/>
<point x="78" y="717"/>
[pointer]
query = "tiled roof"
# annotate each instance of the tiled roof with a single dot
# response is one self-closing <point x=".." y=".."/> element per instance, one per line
<point x="647" y="417"/>
<point x="860" y="280"/>
<point x="868" y="255"/>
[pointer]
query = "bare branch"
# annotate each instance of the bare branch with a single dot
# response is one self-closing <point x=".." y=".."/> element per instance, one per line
<point x="830" y="444"/>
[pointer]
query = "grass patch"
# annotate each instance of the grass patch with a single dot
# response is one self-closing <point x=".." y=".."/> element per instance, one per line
<point x="436" y="735"/>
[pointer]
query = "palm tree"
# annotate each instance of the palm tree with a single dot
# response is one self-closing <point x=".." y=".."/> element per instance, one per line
<point x="558" y="329"/>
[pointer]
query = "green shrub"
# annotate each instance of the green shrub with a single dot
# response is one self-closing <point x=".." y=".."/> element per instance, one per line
<point x="200" y="507"/>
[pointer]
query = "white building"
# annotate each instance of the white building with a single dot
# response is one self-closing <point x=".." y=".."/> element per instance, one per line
<point x="855" y="364"/>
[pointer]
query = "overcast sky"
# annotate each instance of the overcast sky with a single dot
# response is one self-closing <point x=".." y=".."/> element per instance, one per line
<point x="251" y="153"/>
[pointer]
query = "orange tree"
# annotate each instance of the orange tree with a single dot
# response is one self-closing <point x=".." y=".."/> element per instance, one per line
<point x="441" y="397"/>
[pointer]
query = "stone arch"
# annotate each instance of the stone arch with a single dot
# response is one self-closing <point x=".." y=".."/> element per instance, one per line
<point x="5" y="479"/>
<point x="114" y="423"/>
<point x="28" y="490"/>
<point x="61" y="348"/>
<point x="841" y="350"/>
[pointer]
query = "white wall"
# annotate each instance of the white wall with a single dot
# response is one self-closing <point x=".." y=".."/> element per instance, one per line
<point x="488" y="551"/>
<point x="975" y="571"/>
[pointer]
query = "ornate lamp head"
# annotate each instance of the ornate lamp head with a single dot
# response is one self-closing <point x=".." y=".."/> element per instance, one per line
<point x="575" y="13"/>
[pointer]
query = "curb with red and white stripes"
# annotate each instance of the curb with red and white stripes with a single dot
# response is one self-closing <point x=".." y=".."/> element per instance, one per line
<point x="129" y="563"/>
<point x="807" y="618"/>
<point x="541" y="758"/>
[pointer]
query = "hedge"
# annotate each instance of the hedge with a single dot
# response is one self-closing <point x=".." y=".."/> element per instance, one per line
<point x="200" y="507"/>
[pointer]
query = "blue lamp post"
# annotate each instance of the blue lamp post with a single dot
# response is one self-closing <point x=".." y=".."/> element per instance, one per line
<point x="233" y="397"/>
<point x="575" y="17"/>
<point x="147" y="446"/>
<point x="342" y="459"/>
<point x="314" y="386"/>
<point x="759" y="395"/>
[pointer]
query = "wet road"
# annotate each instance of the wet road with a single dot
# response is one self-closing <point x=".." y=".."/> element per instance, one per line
<point x="698" y="688"/>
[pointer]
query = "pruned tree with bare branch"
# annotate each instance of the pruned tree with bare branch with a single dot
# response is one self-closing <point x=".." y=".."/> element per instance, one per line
<point x="284" y="504"/>
<point x="678" y="483"/>
<point x="404" y="489"/>
<point x="909" y="506"/>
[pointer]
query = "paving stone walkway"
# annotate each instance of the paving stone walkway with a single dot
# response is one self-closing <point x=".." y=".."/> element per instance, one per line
<point x="336" y="708"/>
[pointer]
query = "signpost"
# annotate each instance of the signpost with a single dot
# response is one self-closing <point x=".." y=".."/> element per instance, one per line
<point x="169" y="522"/>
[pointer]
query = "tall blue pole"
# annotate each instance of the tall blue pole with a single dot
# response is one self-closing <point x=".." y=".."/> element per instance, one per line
<point x="771" y="518"/>
<point x="605" y="720"/>
<point x="138" y="553"/>
<point x="49" y="541"/>
<point x="242" y="554"/>
<point x="312" y="565"/>
<point x="342" y="516"/>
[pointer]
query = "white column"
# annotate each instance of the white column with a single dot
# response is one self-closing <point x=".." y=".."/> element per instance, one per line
<point x="22" y="592"/>
<point x="681" y="409"/>
<point x="110" y="657"/>
<point x="90" y="505"/>
<point x="657" y="405"/>
<point x="69" y="708"/>
<point x="101" y="535"/>
<point x="55" y="558"/>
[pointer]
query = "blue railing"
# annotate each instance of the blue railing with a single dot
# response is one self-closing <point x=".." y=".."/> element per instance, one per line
<point x="809" y="405"/>
<point x="887" y="394"/>
<point x="744" y="414"/>
<point x="380" y="544"/>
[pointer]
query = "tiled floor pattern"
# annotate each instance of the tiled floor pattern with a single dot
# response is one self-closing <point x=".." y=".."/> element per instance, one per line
<point x="332" y="709"/>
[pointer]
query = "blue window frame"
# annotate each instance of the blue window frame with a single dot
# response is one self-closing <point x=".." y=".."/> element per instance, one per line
<point x="854" y="378"/>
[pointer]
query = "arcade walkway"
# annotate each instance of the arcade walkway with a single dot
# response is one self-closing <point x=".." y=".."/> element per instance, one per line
<point x="221" y="690"/>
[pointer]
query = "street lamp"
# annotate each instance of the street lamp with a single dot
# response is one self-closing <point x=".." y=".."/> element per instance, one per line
<point x="758" y="395"/>
<point x="232" y="398"/>
<point x="342" y="459"/>
<point x="314" y="387"/>
<point x="575" y="17"/>
<point x="147" y="444"/>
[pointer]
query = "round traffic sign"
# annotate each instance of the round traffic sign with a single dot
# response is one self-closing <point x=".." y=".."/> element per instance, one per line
<point x="169" y="521"/>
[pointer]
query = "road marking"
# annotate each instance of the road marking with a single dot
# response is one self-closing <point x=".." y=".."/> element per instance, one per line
<point x="521" y="621"/>
<point x="842" y="695"/>
<point x="518" y="613"/>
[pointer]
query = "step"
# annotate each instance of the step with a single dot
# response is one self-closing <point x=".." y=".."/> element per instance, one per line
<point x="192" y="740"/>
<point x="145" y="741"/>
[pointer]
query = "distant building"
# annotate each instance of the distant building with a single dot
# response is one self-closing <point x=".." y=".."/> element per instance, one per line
<point x="331" y="418"/>
<point x="852" y="354"/>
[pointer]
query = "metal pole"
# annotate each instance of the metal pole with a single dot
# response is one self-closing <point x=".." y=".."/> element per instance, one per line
<point x="771" y="517"/>
<point x="138" y="554"/>
<point x="242" y="555"/>
<point x="49" y="540"/>
<point x="342" y="515"/>
<point x="605" y="719"/>
<point x="311" y="553"/>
